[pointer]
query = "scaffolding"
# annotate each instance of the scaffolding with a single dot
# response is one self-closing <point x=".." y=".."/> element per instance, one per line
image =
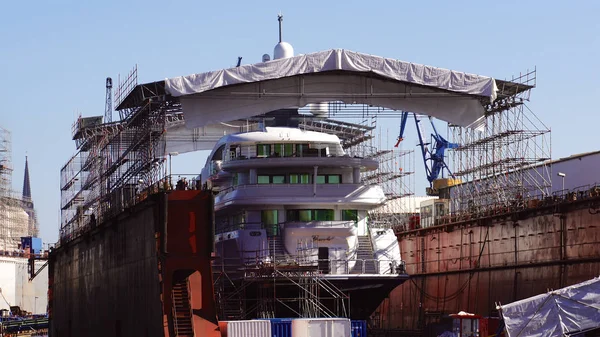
<point x="492" y="161"/>
<point x="5" y="162"/>
<point x="282" y="287"/>
<point x="118" y="163"/>
<point x="15" y="221"/>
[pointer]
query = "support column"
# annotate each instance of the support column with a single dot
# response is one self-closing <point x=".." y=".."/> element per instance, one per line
<point x="315" y="181"/>
<point x="253" y="176"/>
<point x="356" y="175"/>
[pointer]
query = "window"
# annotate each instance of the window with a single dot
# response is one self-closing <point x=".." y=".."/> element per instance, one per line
<point x="302" y="178"/>
<point x="234" y="152"/>
<point x="329" y="179"/>
<point x="300" y="149"/>
<point x="288" y="150"/>
<point x="306" y="215"/>
<point x="277" y="150"/>
<point x="238" y="220"/>
<point x="263" y="150"/>
<point x="323" y="214"/>
<point x="350" y="215"/>
<point x="269" y="217"/>
<point x="271" y="179"/>
<point x="236" y="179"/>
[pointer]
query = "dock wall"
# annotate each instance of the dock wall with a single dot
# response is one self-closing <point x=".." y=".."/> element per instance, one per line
<point x="472" y="265"/>
<point x="117" y="279"/>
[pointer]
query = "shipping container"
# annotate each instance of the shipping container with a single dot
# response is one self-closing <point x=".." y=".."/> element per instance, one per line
<point x="359" y="328"/>
<point x="281" y="327"/>
<point x="321" y="327"/>
<point x="249" y="328"/>
<point x="31" y="245"/>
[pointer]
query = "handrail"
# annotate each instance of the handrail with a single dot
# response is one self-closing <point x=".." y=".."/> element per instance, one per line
<point x="584" y="192"/>
<point x="343" y="264"/>
<point x="286" y="186"/>
<point x="174" y="312"/>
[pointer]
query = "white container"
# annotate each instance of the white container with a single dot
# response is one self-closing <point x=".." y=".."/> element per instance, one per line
<point x="321" y="327"/>
<point x="255" y="328"/>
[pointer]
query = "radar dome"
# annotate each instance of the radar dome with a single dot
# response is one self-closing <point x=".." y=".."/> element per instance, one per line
<point x="319" y="109"/>
<point x="283" y="50"/>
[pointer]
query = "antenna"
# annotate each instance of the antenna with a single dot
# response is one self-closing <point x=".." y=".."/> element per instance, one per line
<point x="280" y="19"/>
<point x="239" y="61"/>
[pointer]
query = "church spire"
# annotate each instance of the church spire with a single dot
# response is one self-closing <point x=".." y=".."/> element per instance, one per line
<point x="26" y="184"/>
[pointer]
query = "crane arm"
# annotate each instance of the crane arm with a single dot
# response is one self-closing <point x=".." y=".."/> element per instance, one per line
<point x="402" y="127"/>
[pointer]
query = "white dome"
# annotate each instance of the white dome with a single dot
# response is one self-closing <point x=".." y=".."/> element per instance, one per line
<point x="319" y="109"/>
<point x="283" y="50"/>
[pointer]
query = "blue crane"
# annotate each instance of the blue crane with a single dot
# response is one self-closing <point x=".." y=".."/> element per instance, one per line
<point x="433" y="157"/>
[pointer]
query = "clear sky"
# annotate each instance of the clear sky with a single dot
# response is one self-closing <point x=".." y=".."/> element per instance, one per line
<point x="55" y="56"/>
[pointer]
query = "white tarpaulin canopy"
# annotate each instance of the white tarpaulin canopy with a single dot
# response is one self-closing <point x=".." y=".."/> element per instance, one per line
<point x="556" y="313"/>
<point x="333" y="75"/>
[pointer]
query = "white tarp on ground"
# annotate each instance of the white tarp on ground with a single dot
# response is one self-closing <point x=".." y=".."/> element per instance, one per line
<point x="556" y="313"/>
<point x="209" y="97"/>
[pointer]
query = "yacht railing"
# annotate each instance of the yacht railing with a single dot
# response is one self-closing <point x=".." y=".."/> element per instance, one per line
<point x="316" y="150"/>
<point x="224" y="228"/>
<point x="287" y="186"/>
<point x="325" y="266"/>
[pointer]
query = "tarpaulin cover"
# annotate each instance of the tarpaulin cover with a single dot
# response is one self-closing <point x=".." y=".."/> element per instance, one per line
<point x="333" y="75"/>
<point x="556" y="313"/>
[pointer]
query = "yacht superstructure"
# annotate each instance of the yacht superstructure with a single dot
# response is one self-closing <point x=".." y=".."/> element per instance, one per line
<point x="291" y="198"/>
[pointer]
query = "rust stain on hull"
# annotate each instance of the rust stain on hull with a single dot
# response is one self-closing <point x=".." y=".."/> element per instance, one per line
<point x="472" y="265"/>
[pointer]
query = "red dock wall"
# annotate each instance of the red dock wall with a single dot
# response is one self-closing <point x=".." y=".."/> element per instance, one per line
<point x="116" y="279"/>
<point x="471" y="266"/>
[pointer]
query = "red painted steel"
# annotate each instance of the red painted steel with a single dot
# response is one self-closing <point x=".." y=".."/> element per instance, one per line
<point x="188" y="255"/>
<point x="470" y="266"/>
<point x="117" y="280"/>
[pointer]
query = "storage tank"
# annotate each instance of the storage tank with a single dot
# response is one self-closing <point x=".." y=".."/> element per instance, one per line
<point x="321" y="327"/>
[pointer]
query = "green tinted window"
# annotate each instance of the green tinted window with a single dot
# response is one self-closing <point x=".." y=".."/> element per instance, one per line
<point x="278" y="150"/>
<point x="321" y="179"/>
<point x="269" y="217"/>
<point x="263" y="149"/>
<point x="334" y="179"/>
<point x="263" y="180"/>
<point x="306" y="215"/>
<point x="278" y="179"/>
<point x="305" y="178"/>
<point x="288" y="150"/>
<point x="270" y="221"/>
<point x="323" y="214"/>
<point x="350" y="215"/>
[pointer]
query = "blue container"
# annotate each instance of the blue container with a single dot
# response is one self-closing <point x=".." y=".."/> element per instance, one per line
<point x="25" y="242"/>
<point x="34" y="244"/>
<point x="280" y="327"/>
<point x="358" y="328"/>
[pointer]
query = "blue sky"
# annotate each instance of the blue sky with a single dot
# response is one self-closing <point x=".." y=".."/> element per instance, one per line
<point x="55" y="56"/>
